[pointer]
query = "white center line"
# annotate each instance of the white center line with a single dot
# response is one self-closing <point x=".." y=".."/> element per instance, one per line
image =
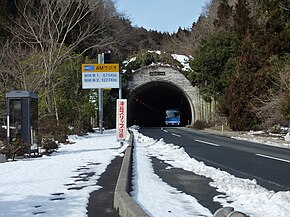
<point x="164" y="130"/>
<point x="273" y="158"/>
<point x="208" y="143"/>
<point x="176" y="135"/>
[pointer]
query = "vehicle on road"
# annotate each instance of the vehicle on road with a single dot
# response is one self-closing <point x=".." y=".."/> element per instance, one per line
<point x="172" y="117"/>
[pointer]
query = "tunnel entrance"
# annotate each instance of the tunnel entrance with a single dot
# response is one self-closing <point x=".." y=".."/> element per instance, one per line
<point x="148" y="103"/>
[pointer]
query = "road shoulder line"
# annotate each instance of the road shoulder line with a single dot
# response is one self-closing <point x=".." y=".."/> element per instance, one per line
<point x="208" y="143"/>
<point x="273" y="158"/>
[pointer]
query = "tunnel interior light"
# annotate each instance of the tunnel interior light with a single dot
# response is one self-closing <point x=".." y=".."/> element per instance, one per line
<point x="140" y="102"/>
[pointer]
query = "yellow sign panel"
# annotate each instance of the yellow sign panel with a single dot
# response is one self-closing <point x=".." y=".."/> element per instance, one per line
<point x="100" y="67"/>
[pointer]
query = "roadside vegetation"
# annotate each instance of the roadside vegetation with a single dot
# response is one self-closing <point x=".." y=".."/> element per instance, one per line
<point x="244" y="63"/>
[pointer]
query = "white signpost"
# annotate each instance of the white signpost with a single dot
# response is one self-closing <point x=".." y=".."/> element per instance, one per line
<point x="121" y="119"/>
<point x="100" y="76"/>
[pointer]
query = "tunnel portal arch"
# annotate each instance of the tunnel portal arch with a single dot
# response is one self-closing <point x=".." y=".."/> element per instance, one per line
<point x="153" y="89"/>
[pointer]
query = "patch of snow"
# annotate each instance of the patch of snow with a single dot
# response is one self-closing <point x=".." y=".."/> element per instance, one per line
<point x="126" y="63"/>
<point x="287" y="137"/>
<point x="251" y="132"/>
<point x="57" y="185"/>
<point x="261" y="141"/>
<point x="156" y="197"/>
<point x="184" y="60"/>
<point x="155" y="51"/>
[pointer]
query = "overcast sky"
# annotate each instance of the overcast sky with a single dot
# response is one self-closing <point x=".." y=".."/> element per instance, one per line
<point x="162" y="15"/>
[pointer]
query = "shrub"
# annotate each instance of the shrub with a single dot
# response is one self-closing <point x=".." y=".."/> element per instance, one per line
<point x="51" y="128"/>
<point x="15" y="148"/>
<point x="49" y="144"/>
<point x="199" y="125"/>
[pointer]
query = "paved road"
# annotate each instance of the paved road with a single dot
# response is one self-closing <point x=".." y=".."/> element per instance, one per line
<point x="270" y="166"/>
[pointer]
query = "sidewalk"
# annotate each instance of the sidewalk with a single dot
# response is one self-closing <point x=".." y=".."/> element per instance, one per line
<point x="101" y="201"/>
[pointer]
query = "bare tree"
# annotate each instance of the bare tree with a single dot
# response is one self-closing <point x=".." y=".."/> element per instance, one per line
<point x="186" y="41"/>
<point x="54" y="29"/>
<point x="18" y="68"/>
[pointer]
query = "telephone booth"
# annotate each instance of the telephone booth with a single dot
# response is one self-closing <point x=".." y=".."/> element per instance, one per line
<point x="22" y="116"/>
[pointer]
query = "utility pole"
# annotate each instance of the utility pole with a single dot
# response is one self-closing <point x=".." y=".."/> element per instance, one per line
<point x="101" y="112"/>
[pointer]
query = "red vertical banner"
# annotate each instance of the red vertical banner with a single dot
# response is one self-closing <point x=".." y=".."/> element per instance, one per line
<point x="121" y="119"/>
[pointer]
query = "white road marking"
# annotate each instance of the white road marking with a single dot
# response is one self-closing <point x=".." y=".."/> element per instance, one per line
<point x="208" y="143"/>
<point x="164" y="130"/>
<point x="175" y="135"/>
<point x="273" y="158"/>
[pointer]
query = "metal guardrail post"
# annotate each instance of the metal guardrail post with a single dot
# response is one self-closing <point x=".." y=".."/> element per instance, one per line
<point x="228" y="212"/>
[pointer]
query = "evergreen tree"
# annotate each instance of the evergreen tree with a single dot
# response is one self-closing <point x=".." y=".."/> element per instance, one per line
<point x="213" y="63"/>
<point x="224" y="16"/>
<point x="242" y="21"/>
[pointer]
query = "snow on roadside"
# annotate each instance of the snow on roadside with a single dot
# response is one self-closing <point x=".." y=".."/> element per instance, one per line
<point x="156" y="197"/>
<point x="261" y="141"/>
<point x="276" y="140"/>
<point x="242" y="194"/>
<point x="60" y="184"/>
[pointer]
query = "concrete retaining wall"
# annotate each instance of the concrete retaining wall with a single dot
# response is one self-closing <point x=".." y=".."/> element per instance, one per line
<point x="123" y="203"/>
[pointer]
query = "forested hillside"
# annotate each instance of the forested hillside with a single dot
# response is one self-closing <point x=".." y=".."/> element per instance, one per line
<point x="243" y="64"/>
<point x="240" y="48"/>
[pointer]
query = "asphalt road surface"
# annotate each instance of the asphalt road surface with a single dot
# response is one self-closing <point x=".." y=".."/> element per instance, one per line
<point x="270" y="166"/>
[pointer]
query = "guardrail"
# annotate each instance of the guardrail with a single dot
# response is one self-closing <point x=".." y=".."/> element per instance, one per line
<point x="123" y="203"/>
<point x="228" y="212"/>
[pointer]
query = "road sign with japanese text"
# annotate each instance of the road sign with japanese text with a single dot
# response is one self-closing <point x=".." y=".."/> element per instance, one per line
<point x="121" y="119"/>
<point x="100" y="76"/>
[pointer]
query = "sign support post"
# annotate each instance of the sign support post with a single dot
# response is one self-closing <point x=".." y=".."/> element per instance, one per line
<point x="120" y="86"/>
<point x="8" y="122"/>
<point x="101" y="113"/>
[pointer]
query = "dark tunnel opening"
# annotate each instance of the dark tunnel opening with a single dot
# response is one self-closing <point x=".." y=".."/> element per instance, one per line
<point x="147" y="105"/>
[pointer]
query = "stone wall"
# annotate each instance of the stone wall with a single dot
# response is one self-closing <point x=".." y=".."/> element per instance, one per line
<point x="172" y="76"/>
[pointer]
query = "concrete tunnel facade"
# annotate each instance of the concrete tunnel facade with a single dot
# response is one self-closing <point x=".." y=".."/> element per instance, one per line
<point x="153" y="89"/>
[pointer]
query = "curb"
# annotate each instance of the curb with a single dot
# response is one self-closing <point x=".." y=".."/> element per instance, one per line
<point x="123" y="203"/>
